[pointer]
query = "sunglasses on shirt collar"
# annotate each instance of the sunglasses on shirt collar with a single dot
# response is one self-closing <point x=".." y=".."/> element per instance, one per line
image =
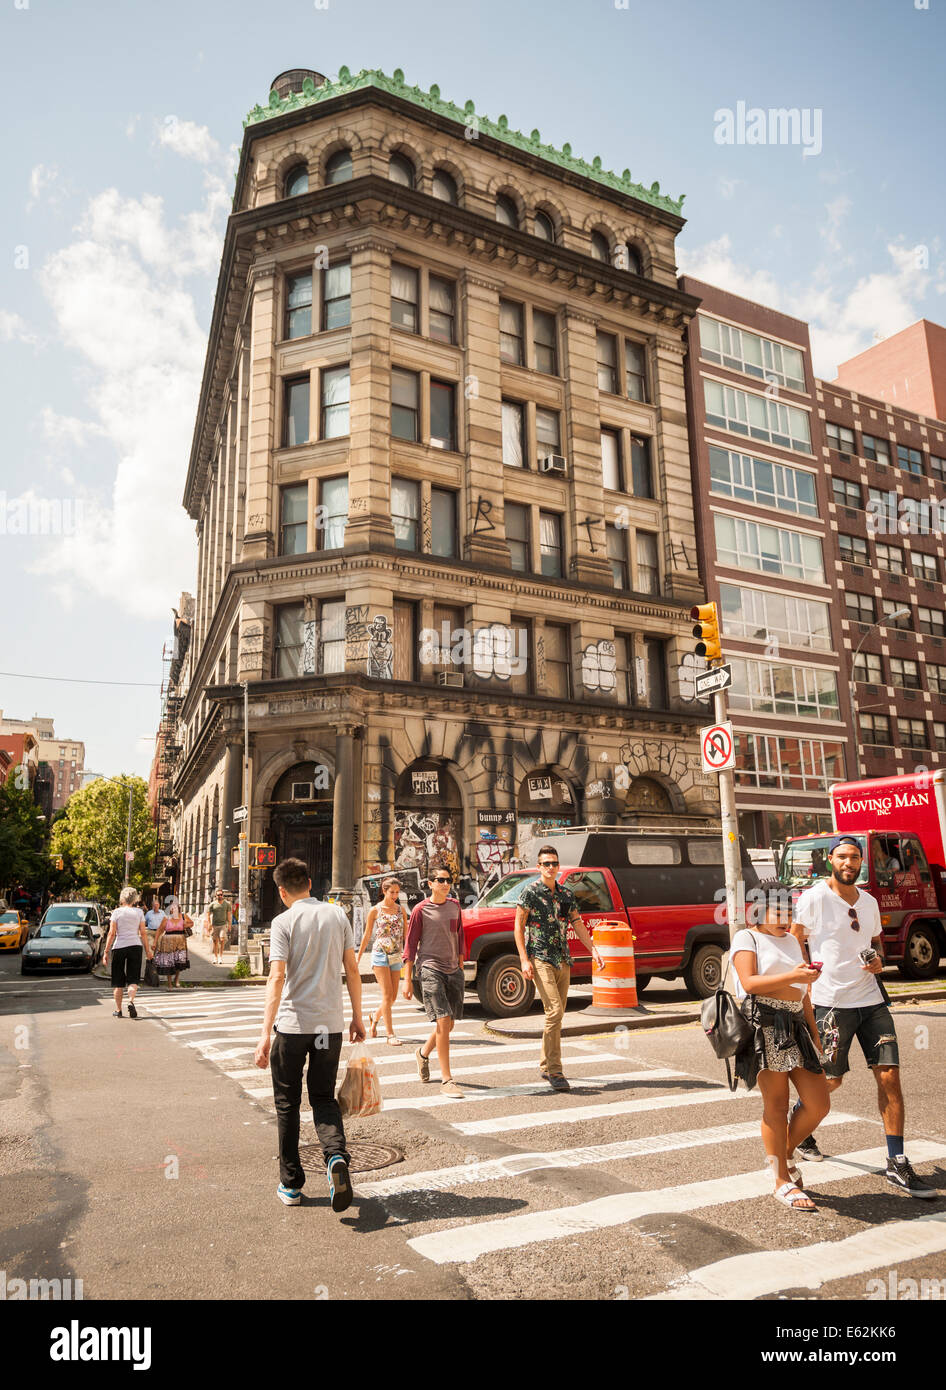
<point x="854" y="923"/>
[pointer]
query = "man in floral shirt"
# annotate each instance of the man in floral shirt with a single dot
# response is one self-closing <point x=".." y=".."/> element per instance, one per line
<point x="543" y="914"/>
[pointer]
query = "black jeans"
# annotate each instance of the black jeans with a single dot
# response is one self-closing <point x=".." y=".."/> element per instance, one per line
<point x="286" y="1060"/>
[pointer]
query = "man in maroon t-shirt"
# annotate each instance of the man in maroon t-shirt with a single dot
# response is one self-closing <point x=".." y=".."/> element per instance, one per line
<point x="435" y="941"/>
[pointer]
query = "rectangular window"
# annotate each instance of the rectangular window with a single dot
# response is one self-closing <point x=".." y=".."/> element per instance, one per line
<point x="936" y="678"/>
<point x="750" y="479"/>
<point x="924" y="566"/>
<point x="779" y="688"/>
<point x="860" y="607"/>
<point x="336" y="402"/>
<point x="839" y="437"/>
<point x="635" y="371"/>
<point x="868" y="668"/>
<point x="405" y="641"/>
<point x="405" y="404"/>
<point x="938" y="468"/>
<point x="547" y="437"/>
<point x="911" y="733"/>
<point x="904" y="673"/>
<point x="747" y="352"/>
<point x="765" y="615"/>
<point x="517" y="536"/>
<point x="334" y="513"/>
<point x="404" y="298"/>
<point x="336" y="296"/>
<point x="655" y="673"/>
<point x="443" y="427"/>
<point x="296" y="412"/>
<point x="759" y="417"/>
<point x="889" y="607"/>
<point x="557" y="661"/>
<point x="299" y="305"/>
<point x="449" y="624"/>
<point x="642" y="476"/>
<point x="909" y="459"/>
<point x="442" y="310"/>
<point x="889" y="558"/>
<point x="624" y="672"/>
<point x="405" y="513"/>
<point x="611" y="460"/>
<point x="846" y="494"/>
<point x="293" y="512"/>
<point x="853" y="549"/>
<point x="512" y="434"/>
<point x="755" y="545"/>
<point x="331" y="637"/>
<point x="288" y="646"/>
<point x="607" y="358"/>
<point x="648" y="569"/>
<point x="878" y="450"/>
<point x="510" y="332"/>
<point x="939" y="736"/>
<point x="931" y="620"/>
<point x="443" y="522"/>
<point x="543" y="342"/>
<point x="617" y="554"/>
<point x="793" y="764"/>
<point x="875" y="729"/>
<point x="550" y="544"/>
<point x="522" y="683"/>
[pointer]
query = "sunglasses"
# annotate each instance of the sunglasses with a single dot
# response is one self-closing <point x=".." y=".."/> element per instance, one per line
<point x="441" y="880"/>
<point x="548" y="863"/>
<point x="854" y="923"/>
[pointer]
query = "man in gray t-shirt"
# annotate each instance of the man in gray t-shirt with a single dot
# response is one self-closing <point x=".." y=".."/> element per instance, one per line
<point x="311" y="944"/>
<point x="434" y="949"/>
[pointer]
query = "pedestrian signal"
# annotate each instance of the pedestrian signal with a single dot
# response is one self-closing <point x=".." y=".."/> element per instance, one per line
<point x="263" y="856"/>
<point x="706" y="627"/>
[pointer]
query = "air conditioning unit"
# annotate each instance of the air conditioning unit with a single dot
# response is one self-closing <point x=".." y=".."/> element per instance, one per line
<point x="928" y="588"/>
<point x="937" y="642"/>
<point x="856" y="569"/>
<point x="302" y="791"/>
<point x="850" y="513"/>
<point x="846" y="457"/>
<point x="871" y="689"/>
<point x="553" y="463"/>
<point x="896" y="579"/>
<point x="451" y="678"/>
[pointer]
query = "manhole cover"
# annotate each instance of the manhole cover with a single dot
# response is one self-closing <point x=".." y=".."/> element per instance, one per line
<point x="364" y="1157"/>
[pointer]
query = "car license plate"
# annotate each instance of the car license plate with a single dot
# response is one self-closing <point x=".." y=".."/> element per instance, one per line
<point x="54" y="960"/>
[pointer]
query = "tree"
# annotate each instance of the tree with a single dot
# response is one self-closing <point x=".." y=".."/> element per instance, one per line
<point x="22" y="832"/>
<point x="91" y="836"/>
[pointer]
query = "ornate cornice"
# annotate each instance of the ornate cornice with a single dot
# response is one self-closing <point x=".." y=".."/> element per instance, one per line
<point x="346" y="82"/>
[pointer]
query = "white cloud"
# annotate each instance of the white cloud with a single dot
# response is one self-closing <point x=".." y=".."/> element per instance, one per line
<point x="190" y="140"/>
<point x="42" y="177"/>
<point x="67" y="430"/>
<point x="14" y="329"/>
<point x="714" y="263"/>
<point x="836" y="211"/>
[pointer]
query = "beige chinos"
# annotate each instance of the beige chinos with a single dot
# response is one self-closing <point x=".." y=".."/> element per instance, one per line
<point x="551" y="982"/>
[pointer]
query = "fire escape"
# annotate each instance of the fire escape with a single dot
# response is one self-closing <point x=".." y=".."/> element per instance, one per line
<point x="168" y="748"/>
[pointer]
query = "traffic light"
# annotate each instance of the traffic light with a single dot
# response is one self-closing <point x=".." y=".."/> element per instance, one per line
<point x="706" y="627"/>
<point x="262" y="856"/>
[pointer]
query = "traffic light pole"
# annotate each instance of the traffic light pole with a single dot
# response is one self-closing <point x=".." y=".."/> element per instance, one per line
<point x="732" y="866"/>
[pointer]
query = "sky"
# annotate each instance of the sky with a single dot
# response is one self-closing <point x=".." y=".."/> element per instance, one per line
<point x="128" y="125"/>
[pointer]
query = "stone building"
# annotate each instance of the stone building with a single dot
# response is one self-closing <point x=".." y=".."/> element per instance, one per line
<point x="441" y="483"/>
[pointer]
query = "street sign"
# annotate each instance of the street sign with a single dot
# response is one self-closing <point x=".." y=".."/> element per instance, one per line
<point x="717" y="748"/>
<point x="239" y="813"/>
<point x="716" y="678"/>
<point x="129" y="855"/>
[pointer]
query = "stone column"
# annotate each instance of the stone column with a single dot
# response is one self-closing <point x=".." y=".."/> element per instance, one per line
<point x="369" y="455"/>
<point x="484" y="530"/>
<point x="343" y="810"/>
<point x="232" y="797"/>
<point x="259" y="536"/>
<point x="587" y="543"/>
<point x="672" y="465"/>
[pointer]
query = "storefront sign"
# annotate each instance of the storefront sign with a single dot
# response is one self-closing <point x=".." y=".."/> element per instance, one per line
<point x="496" y="817"/>
<point x="425" y="783"/>
<point x="540" y="788"/>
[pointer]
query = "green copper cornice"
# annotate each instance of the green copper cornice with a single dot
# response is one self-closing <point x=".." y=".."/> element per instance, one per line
<point x="467" y="117"/>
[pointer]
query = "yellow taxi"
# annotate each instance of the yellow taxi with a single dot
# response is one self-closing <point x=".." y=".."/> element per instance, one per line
<point x="14" y="931"/>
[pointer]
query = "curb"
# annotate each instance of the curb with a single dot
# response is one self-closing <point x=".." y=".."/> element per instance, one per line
<point x="578" y="1024"/>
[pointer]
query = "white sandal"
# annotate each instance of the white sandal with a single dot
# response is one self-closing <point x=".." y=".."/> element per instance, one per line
<point x="794" y="1172"/>
<point x="789" y="1195"/>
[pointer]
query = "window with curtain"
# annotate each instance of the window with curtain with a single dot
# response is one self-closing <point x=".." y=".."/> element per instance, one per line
<point x="521" y="681"/>
<point x="600" y="247"/>
<point x="544" y="226"/>
<point x="648" y="571"/>
<point x="299" y="305"/>
<point x="635" y="371"/>
<point x="557" y="661"/>
<point x="405" y="513"/>
<point x="332" y="637"/>
<point x="404" y="297"/>
<point x="611" y="460"/>
<point x="510" y="332"/>
<point x="617" y="554"/>
<point x="544" y="343"/>
<point x="607" y="358"/>
<point x="445" y="187"/>
<point x="642" y="476"/>
<point x="405" y="404"/>
<point x="288" y="643"/>
<point x="448" y="620"/>
<point x="623" y="653"/>
<point x="550" y="544"/>
<point x="334" y="512"/>
<point x="296" y="412"/>
<point x="443" y="522"/>
<point x="655" y="672"/>
<point x="405" y="641"/>
<point x="336" y="296"/>
<point x="442" y="310"/>
<point x="517" y="536"/>
<point x="336" y="399"/>
<point x="506" y="211"/>
<point x="443" y="425"/>
<point x="401" y="170"/>
<point x="293" y="507"/>
<point x="512" y="434"/>
<point x="547" y="437"/>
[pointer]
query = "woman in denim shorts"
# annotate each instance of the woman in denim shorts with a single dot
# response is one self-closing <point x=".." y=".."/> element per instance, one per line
<point x="385" y="928"/>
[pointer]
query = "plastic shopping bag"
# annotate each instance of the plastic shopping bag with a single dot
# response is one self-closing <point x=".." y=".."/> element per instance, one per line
<point x="360" y="1092"/>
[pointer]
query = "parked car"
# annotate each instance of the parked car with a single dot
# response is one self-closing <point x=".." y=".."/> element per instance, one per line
<point x="669" y="886"/>
<point x="60" y="946"/>
<point x="90" y="914"/>
<point x="14" y="930"/>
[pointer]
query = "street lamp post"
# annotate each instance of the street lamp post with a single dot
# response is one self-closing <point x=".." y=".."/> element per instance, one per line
<point x="891" y="617"/>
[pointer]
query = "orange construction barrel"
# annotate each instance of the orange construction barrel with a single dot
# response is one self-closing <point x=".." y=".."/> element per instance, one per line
<point x="614" y="987"/>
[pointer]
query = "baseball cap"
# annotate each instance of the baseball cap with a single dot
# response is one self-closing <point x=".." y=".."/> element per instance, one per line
<point x="845" y="840"/>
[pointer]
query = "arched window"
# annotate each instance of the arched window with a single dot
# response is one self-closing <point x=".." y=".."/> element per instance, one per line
<point x="506" y="210"/>
<point x="445" y="187"/>
<point x="338" y="168"/>
<point x="401" y="170"/>
<point x="635" y="262"/>
<point x="600" y="248"/>
<point x="544" y="226"/>
<point x="297" y="181"/>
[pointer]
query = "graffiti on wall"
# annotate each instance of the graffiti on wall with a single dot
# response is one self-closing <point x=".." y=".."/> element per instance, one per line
<point x="599" y="667"/>
<point x="426" y="841"/>
<point x="369" y="645"/>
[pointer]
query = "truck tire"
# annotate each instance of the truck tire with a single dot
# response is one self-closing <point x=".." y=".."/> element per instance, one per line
<point x="703" y="973"/>
<point x="642" y="982"/>
<point x="502" y="988"/>
<point x="920" y="953"/>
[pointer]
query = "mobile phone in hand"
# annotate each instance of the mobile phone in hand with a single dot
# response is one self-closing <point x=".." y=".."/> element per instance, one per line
<point x="816" y="964"/>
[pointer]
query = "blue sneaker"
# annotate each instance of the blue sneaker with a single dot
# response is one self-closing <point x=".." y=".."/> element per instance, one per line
<point x="290" y="1195"/>
<point x="339" y="1183"/>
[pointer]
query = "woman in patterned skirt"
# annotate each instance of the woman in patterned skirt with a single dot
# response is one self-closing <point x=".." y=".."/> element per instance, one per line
<point x="170" y="943"/>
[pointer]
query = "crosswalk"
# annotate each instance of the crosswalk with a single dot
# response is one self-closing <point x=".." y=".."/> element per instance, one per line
<point x="627" y="1118"/>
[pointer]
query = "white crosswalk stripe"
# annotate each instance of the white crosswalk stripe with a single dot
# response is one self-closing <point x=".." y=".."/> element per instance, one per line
<point x="620" y="1126"/>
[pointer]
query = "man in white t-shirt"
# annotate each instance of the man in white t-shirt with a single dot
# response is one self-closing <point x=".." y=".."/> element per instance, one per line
<point x="311" y="943"/>
<point x="837" y="922"/>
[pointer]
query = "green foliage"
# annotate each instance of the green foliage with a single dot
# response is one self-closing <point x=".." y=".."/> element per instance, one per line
<point x="22" y="836"/>
<point x="241" y="971"/>
<point x="91" y="836"/>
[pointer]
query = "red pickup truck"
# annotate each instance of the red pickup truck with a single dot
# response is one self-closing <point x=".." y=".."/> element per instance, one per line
<point x="669" y="885"/>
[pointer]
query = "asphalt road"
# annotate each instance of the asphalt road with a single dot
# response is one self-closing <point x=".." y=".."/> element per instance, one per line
<point x="140" y="1158"/>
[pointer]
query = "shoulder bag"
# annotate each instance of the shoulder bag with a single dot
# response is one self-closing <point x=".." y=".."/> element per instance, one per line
<point x="725" y="1025"/>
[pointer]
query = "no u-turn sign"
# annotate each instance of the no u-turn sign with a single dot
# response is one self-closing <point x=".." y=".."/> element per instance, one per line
<point x="716" y="747"/>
